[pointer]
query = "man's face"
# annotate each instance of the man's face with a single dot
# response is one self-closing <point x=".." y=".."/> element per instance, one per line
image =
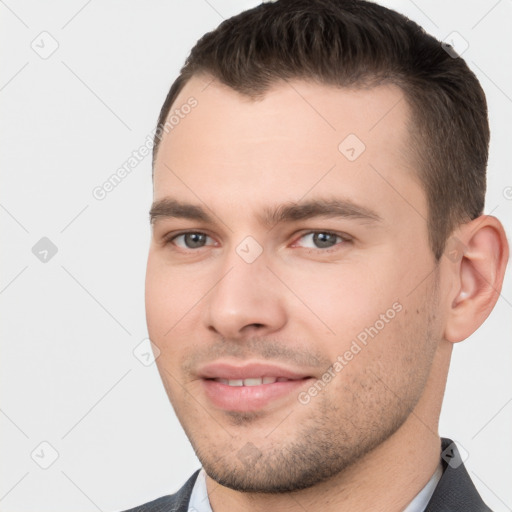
<point x="326" y="319"/>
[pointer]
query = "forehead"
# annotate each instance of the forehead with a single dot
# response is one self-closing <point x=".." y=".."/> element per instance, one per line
<point x="299" y="139"/>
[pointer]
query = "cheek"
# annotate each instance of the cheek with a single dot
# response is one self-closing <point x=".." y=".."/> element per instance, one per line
<point x="348" y="298"/>
<point x="384" y="376"/>
<point x="169" y="297"/>
<point x="157" y="300"/>
<point x="172" y="308"/>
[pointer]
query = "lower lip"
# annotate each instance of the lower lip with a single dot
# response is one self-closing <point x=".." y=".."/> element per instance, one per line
<point x="249" y="398"/>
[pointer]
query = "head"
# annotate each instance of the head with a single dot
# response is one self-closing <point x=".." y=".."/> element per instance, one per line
<point x="302" y="207"/>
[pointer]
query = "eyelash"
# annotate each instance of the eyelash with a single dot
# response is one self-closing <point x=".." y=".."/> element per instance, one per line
<point x="169" y="239"/>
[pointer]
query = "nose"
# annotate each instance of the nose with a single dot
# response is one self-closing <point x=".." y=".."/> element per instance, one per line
<point x="247" y="300"/>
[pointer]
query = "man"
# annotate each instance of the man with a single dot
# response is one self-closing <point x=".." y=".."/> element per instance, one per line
<point x="318" y="248"/>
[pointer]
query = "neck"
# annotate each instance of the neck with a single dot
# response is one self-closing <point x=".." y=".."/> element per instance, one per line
<point x="388" y="477"/>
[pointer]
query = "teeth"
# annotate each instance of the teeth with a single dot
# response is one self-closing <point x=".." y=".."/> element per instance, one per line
<point x="251" y="382"/>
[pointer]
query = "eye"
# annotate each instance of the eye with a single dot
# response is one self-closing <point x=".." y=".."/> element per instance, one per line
<point x="322" y="240"/>
<point x="189" y="240"/>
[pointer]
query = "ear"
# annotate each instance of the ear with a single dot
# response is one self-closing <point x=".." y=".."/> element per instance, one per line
<point x="479" y="253"/>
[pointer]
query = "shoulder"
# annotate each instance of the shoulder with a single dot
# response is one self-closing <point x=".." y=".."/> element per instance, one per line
<point x="177" y="502"/>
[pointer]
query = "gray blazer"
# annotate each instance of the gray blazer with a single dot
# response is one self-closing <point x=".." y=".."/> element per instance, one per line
<point x="455" y="491"/>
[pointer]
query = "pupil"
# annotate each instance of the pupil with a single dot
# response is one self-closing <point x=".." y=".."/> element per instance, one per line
<point x="193" y="240"/>
<point x="323" y="239"/>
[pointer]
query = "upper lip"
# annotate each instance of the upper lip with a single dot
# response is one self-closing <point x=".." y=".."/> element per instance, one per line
<point x="254" y="370"/>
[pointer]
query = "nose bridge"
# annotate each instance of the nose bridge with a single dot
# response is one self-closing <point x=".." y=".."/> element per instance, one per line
<point x="246" y="294"/>
<point x="244" y="265"/>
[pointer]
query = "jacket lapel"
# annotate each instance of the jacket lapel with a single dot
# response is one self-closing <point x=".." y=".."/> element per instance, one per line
<point x="455" y="490"/>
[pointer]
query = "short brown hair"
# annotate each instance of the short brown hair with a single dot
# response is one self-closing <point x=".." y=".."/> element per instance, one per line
<point x="356" y="43"/>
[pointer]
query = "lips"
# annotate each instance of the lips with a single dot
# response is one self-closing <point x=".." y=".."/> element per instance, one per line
<point x="249" y="387"/>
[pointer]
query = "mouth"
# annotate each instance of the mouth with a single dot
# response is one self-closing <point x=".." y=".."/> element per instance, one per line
<point x="250" y="387"/>
<point x="258" y="381"/>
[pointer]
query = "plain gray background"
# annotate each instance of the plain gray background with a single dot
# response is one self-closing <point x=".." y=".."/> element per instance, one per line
<point x="69" y="375"/>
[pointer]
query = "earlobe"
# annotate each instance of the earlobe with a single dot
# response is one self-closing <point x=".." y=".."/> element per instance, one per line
<point x="478" y="275"/>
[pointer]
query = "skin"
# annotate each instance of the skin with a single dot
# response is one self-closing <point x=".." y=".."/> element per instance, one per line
<point x="356" y="443"/>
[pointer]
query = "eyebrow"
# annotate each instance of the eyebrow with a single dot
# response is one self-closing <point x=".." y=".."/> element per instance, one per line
<point x="287" y="212"/>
